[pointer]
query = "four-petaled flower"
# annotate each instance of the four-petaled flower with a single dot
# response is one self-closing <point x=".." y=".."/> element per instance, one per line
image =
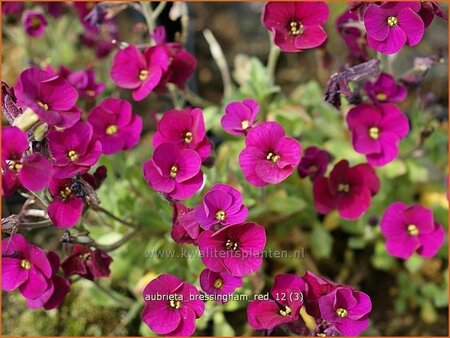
<point x="240" y="116"/>
<point x="314" y="163"/>
<point x="34" y="23"/>
<point x="219" y="283"/>
<point x="385" y="89"/>
<point x="87" y="262"/>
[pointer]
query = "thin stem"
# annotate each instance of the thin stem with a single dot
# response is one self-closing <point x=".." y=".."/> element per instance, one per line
<point x="110" y="214"/>
<point x="274" y="54"/>
<point x="123" y="300"/>
<point x="147" y="12"/>
<point x="119" y="243"/>
<point x="158" y="10"/>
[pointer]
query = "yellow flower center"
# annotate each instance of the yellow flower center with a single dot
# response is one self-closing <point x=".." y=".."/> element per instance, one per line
<point x="321" y="334"/>
<point x="381" y="96"/>
<point x="188" y="137"/>
<point x="286" y="312"/>
<point x="111" y="130"/>
<point x="392" y="21"/>
<point x="341" y="312"/>
<point x="65" y="193"/>
<point x="412" y="230"/>
<point x="35" y="22"/>
<point x="25" y="264"/>
<point x="245" y="124"/>
<point x="230" y="245"/>
<point x="296" y="28"/>
<point x="273" y="157"/>
<point x="343" y="187"/>
<point x="218" y="283"/>
<point x="86" y="256"/>
<point x="14" y="165"/>
<point x="221" y="215"/>
<point x="72" y="155"/>
<point x="173" y="171"/>
<point x="42" y="105"/>
<point x="374" y="133"/>
<point x="175" y="304"/>
<point x="143" y="74"/>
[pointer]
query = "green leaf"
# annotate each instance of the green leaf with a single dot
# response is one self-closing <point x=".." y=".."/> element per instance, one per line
<point x="321" y="242"/>
<point x="221" y="327"/>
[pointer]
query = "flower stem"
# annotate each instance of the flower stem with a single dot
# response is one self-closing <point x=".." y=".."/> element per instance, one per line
<point x="274" y="54"/>
<point x="111" y="215"/>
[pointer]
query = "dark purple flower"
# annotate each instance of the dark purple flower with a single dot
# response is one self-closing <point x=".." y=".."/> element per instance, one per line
<point x="222" y="205"/>
<point x="348" y="189"/>
<point x="115" y="126"/>
<point x="54" y="8"/>
<point x="317" y="287"/>
<point x="171" y="306"/>
<point x="392" y="25"/>
<point x="186" y="128"/>
<point x="286" y="299"/>
<point x="174" y="171"/>
<point x="87" y="262"/>
<point x="240" y="116"/>
<point x="354" y="38"/>
<point x="219" y="283"/>
<point x="185" y="227"/>
<point x="102" y="39"/>
<point x="429" y="9"/>
<point x="410" y="229"/>
<point x="347" y="310"/>
<point x="66" y="207"/>
<point x="74" y="150"/>
<point x="385" y="90"/>
<point x="377" y="131"/>
<point x="50" y="96"/>
<point x="12" y="7"/>
<point x="296" y="26"/>
<point x="24" y="266"/>
<point x="235" y="248"/>
<point x="269" y="156"/>
<point x="314" y="163"/>
<point x="141" y="72"/>
<point x="32" y="171"/>
<point x="34" y="23"/>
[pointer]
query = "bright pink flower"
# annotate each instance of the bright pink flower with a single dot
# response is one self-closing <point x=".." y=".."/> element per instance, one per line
<point x="34" y="23"/>
<point x="222" y="205"/>
<point x="185" y="227"/>
<point x="385" y="90"/>
<point x="314" y="163"/>
<point x="240" y="116"/>
<point x="74" y="150"/>
<point x="87" y="262"/>
<point x="348" y="189"/>
<point x="186" y="128"/>
<point x="138" y="71"/>
<point x="174" y="171"/>
<point x="24" y="266"/>
<point x="66" y="207"/>
<point x="32" y="171"/>
<point x="411" y="228"/>
<point x="377" y="131"/>
<point x="115" y="126"/>
<point x="171" y="306"/>
<point x="219" y="283"/>
<point x="269" y="156"/>
<point x="235" y="248"/>
<point x="296" y="26"/>
<point x="392" y="25"/>
<point x="50" y="96"/>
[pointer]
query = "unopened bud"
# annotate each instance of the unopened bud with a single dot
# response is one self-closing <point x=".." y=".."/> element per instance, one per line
<point x="40" y="132"/>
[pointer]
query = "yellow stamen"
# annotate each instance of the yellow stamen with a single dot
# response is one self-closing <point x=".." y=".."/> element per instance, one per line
<point x="176" y="304"/>
<point x="143" y="74"/>
<point x="245" y="124"/>
<point x="221" y="215"/>
<point x="296" y="28"/>
<point x="342" y="312"/>
<point x="111" y="130"/>
<point x="14" y="166"/>
<point x="343" y="187"/>
<point x="374" y="133"/>
<point x="413" y="230"/>
<point x="218" y="283"/>
<point x="43" y="105"/>
<point x="286" y="312"/>
<point x="381" y="97"/>
<point x="188" y="137"/>
<point x="392" y="21"/>
<point x="72" y="155"/>
<point x="65" y="193"/>
<point x="173" y="171"/>
<point x="230" y="245"/>
<point x="25" y="264"/>
<point x="273" y="157"/>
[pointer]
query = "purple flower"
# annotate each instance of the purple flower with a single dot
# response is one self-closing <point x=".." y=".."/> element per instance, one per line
<point x="392" y="25"/>
<point x="240" y="116"/>
<point x="34" y="23"/>
<point x="66" y="207"/>
<point x="235" y="248"/>
<point x="269" y="156"/>
<point x="24" y="266"/>
<point x="377" y="131"/>
<point x="186" y="128"/>
<point x="296" y="26"/>
<point x="12" y="7"/>
<point x="222" y="205"/>
<point x="74" y="150"/>
<point x="314" y="163"/>
<point x="348" y="189"/>
<point x="354" y="38"/>
<point x="185" y="227"/>
<point x="174" y="171"/>
<point x="115" y="126"/>
<point x="50" y="96"/>
<point x="138" y="71"/>
<point x="57" y="290"/>
<point x="32" y="171"/>
<point x="286" y="299"/>
<point x="87" y="262"/>
<point x="101" y="39"/>
<point x="385" y="90"/>
<point x="317" y="287"/>
<point x="84" y="83"/>
<point x="429" y="9"/>
<point x="219" y="283"/>
<point x="410" y="229"/>
<point x="171" y="306"/>
<point x="347" y="310"/>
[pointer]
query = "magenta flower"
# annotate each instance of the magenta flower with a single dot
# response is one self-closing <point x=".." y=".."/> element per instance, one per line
<point x="87" y="262"/>
<point x="240" y="116"/>
<point x="392" y="25"/>
<point x="348" y="189"/>
<point x="385" y="90"/>
<point x="32" y="171"/>
<point x="186" y="128"/>
<point x="174" y="171"/>
<point x="24" y="266"/>
<point x="235" y="248"/>
<point x="269" y="156"/>
<point x="115" y="126"/>
<point x="286" y="299"/>
<point x="34" y="23"/>
<point x="222" y="205"/>
<point x="50" y="96"/>
<point x="314" y="163"/>
<point x="12" y="7"/>
<point x="377" y="131"/>
<point x="317" y="287"/>
<point x="171" y="306"/>
<point x="138" y="71"/>
<point x="347" y="310"/>
<point x="100" y="38"/>
<point x="185" y="227"/>
<point x="219" y="284"/>
<point x="354" y="38"/>
<point x="74" y="150"/>
<point x="85" y="84"/>
<point x="66" y="207"/>
<point x="410" y="229"/>
<point x="57" y="290"/>
<point x="296" y="26"/>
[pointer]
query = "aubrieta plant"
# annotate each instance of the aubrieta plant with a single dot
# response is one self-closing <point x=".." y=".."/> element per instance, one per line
<point x="219" y="187"/>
